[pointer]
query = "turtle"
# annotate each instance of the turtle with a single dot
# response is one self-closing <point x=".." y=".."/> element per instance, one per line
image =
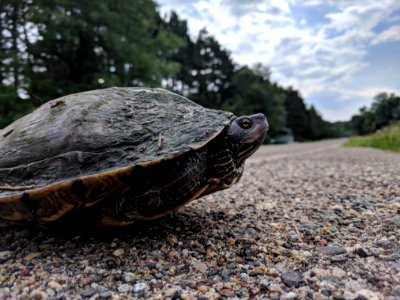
<point x="117" y="155"/>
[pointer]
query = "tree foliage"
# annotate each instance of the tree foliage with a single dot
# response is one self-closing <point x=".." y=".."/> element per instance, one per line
<point x="384" y="111"/>
<point x="54" y="48"/>
<point x="252" y="93"/>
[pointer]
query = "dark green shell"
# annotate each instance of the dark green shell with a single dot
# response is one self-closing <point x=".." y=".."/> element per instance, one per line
<point x="91" y="132"/>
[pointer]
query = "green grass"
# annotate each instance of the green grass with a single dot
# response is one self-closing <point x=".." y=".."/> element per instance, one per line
<point x="387" y="138"/>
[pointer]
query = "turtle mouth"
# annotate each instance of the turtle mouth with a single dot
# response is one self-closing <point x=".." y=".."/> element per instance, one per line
<point x="247" y="149"/>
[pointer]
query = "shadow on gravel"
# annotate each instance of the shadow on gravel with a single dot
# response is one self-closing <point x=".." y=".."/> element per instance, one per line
<point x="70" y="240"/>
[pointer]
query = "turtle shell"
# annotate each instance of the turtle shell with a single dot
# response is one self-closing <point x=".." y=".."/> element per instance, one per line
<point x="70" y="146"/>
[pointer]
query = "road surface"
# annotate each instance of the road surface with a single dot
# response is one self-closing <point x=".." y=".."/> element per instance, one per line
<point x="307" y="221"/>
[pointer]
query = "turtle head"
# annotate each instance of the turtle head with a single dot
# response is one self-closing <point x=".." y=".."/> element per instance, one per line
<point x="246" y="134"/>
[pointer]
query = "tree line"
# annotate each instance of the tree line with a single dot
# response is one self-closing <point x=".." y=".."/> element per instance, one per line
<point x="54" y="48"/>
<point x="384" y="111"/>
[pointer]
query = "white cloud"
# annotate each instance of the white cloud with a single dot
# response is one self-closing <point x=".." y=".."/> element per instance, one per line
<point x="366" y="93"/>
<point x="390" y="34"/>
<point x="311" y="58"/>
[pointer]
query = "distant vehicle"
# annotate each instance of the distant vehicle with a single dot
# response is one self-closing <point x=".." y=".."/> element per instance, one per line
<point x="285" y="136"/>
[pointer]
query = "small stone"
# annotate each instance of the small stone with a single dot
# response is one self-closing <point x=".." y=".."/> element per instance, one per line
<point x="367" y="294"/>
<point x="148" y="277"/>
<point x="227" y="293"/>
<point x="280" y="268"/>
<point x="202" y="267"/>
<point x="37" y="295"/>
<point x="338" y="272"/>
<point x="239" y="259"/>
<point x="129" y="277"/>
<point x="331" y="250"/>
<point x="94" y="285"/>
<point x="288" y="296"/>
<point x="140" y="286"/>
<point x="212" y="272"/>
<point x="32" y="255"/>
<point x="54" y="285"/>
<point x="292" y="279"/>
<point x="244" y="276"/>
<point x="339" y="258"/>
<point x="119" y="252"/>
<point x="361" y="252"/>
<point x="323" y="242"/>
<point x="224" y="276"/>
<point x="275" y="288"/>
<point x="96" y="278"/>
<point x="320" y="272"/>
<point x="347" y="295"/>
<point x="24" y="271"/>
<point x="105" y="294"/>
<point x="88" y="293"/>
<point x="185" y="297"/>
<point x="177" y="295"/>
<point x="202" y="288"/>
<point x="123" y="288"/>
<point x="185" y="252"/>
<point x="170" y="292"/>
<point x="264" y="284"/>
<point x="395" y="220"/>
<point x="5" y="255"/>
<point x="326" y="292"/>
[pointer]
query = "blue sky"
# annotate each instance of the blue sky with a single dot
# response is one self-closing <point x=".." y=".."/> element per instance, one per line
<point x="338" y="53"/>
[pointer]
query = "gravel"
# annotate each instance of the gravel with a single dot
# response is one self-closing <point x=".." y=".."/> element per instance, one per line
<point x="310" y="221"/>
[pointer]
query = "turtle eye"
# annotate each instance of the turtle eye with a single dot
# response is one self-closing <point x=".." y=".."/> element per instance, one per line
<point x="245" y="123"/>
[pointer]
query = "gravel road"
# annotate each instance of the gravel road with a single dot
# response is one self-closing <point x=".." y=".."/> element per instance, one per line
<point x="307" y="221"/>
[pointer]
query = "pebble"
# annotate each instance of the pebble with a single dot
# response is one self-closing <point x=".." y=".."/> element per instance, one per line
<point x="338" y="258"/>
<point x="140" y="286"/>
<point x="54" y="285"/>
<point x="123" y="288"/>
<point x="292" y="279"/>
<point x="361" y="252"/>
<point x="331" y="250"/>
<point x="212" y="272"/>
<point x="227" y="293"/>
<point x="24" y="271"/>
<point x="105" y="294"/>
<point x="32" y="255"/>
<point x="288" y="296"/>
<point x="202" y="288"/>
<point x="5" y="255"/>
<point x="88" y="293"/>
<point x="395" y="220"/>
<point x="224" y="276"/>
<point x="129" y="277"/>
<point x="202" y="267"/>
<point x="367" y="294"/>
<point x="244" y="276"/>
<point x="119" y="252"/>
<point x="275" y="288"/>
<point x="338" y="272"/>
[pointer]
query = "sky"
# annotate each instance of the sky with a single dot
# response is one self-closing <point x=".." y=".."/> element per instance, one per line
<point x="338" y="53"/>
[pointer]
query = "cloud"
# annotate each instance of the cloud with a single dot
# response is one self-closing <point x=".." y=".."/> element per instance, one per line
<point x="316" y="46"/>
<point x="390" y="34"/>
<point x="366" y="93"/>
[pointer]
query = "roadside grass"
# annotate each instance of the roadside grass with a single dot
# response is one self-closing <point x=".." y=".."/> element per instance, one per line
<point x="387" y="138"/>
